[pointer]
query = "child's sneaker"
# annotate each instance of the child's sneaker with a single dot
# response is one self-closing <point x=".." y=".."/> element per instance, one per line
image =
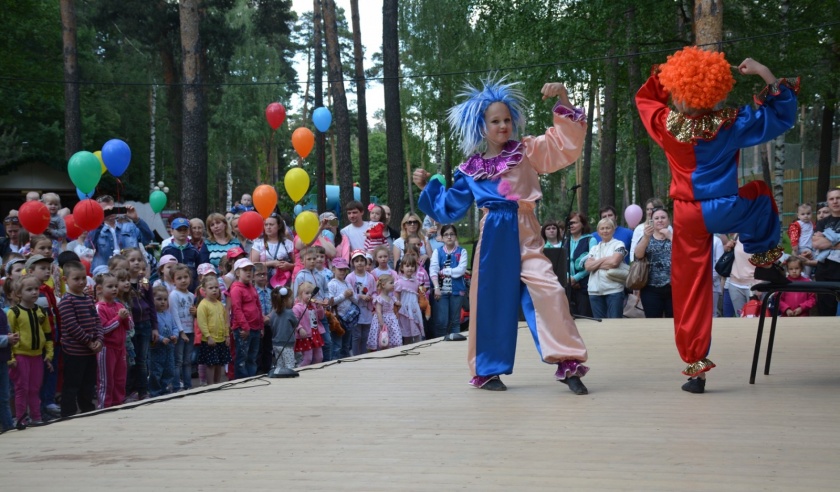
<point x="53" y="409"/>
<point x="20" y="424"/>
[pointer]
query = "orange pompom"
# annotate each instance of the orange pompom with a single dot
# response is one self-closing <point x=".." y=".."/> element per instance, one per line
<point x="697" y="78"/>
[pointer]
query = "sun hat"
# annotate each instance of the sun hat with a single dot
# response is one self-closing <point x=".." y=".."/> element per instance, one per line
<point x="242" y="263"/>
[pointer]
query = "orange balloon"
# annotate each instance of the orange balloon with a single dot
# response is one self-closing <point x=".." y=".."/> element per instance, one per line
<point x="303" y="140"/>
<point x="265" y="199"/>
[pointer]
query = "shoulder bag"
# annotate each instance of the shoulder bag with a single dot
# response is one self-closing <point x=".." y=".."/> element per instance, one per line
<point x="637" y="277"/>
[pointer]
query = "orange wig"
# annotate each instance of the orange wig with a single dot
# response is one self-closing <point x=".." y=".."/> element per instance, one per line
<point x="697" y="78"/>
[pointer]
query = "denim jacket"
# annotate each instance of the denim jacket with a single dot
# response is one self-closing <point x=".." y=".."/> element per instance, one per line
<point x="129" y="235"/>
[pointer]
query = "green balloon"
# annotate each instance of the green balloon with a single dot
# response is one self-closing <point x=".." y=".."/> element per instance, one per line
<point x="157" y="200"/>
<point x="84" y="170"/>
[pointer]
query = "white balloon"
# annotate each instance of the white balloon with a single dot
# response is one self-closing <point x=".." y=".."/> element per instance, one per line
<point x="166" y="189"/>
<point x="157" y="188"/>
<point x="160" y="183"/>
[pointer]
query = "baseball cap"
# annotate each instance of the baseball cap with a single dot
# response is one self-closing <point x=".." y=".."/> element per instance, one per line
<point x="12" y="262"/>
<point x="340" y="263"/>
<point x="165" y="260"/>
<point x="242" y="263"/>
<point x="328" y="216"/>
<point x="180" y="222"/>
<point x="354" y="254"/>
<point x="205" y="268"/>
<point x="35" y="259"/>
<point x="234" y="252"/>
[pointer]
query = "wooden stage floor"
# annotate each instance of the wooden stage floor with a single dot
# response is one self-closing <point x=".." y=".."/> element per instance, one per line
<point x="412" y="423"/>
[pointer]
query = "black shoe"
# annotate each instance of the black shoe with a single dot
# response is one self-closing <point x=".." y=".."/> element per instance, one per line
<point x="491" y="383"/>
<point x="695" y="385"/>
<point x="20" y="424"/>
<point x="454" y="337"/>
<point x="774" y="274"/>
<point x="576" y="385"/>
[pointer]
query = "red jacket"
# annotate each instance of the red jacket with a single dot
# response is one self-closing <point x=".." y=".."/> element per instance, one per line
<point x="245" y="310"/>
<point x="793" y="300"/>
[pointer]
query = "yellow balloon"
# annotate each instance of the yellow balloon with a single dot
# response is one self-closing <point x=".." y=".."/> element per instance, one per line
<point x="306" y="226"/>
<point x="296" y="183"/>
<point x="98" y="155"/>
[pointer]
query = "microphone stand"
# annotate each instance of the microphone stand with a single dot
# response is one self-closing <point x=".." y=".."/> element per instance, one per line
<point x="567" y="248"/>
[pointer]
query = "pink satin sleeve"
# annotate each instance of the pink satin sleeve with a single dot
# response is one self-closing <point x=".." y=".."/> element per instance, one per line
<point x="559" y="147"/>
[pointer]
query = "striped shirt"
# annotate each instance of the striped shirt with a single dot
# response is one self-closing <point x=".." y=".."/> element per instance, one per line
<point x="80" y="324"/>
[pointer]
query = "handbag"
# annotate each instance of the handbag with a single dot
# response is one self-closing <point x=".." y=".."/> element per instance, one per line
<point x="351" y="315"/>
<point x="723" y="266"/>
<point x="637" y="277"/>
<point x="384" y="339"/>
<point x="619" y="274"/>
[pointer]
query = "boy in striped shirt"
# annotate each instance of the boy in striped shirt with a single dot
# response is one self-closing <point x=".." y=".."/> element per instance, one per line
<point x="81" y="340"/>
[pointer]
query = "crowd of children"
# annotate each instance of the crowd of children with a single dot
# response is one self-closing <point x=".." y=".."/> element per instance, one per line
<point x="75" y="340"/>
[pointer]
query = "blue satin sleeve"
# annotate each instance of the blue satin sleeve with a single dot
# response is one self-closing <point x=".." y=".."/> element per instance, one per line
<point x="754" y="126"/>
<point x="447" y="205"/>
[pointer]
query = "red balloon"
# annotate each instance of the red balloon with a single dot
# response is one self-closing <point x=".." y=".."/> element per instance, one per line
<point x="275" y="114"/>
<point x="73" y="229"/>
<point x="34" y="216"/>
<point x="251" y="225"/>
<point x="88" y="214"/>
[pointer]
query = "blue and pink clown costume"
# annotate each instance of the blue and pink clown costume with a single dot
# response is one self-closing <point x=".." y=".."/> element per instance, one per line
<point x="703" y="153"/>
<point x="509" y="269"/>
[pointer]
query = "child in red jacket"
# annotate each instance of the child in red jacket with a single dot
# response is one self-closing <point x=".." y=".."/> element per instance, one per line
<point x="796" y="303"/>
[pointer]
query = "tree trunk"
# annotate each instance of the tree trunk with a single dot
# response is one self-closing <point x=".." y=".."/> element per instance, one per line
<point x="779" y="142"/>
<point x="342" y="117"/>
<point x="708" y="24"/>
<point x="764" y="150"/>
<point x="361" y="104"/>
<point x="72" y="106"/>
<point x="393" y="122"/>
<point x="320" y="138"/>
<point x="586" y="169"/>
<point x="194" y="157"/>
<point x="171" y="77"/>
<point x="152" y="135"/>
<point x="610" y="128"/>
<point x="644" y="172"/>
<point x="826" y="136"/>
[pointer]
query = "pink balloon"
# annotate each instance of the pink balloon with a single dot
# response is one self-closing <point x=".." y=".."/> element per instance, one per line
<point x="633" y="215"/>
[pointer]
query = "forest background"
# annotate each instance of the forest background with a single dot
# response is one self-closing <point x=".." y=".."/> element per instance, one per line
<point x="186" y="85"/>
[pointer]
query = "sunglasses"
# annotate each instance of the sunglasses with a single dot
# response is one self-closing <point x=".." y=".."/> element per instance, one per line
<point x="11" y="220"/>
<point x="412" y="222"/>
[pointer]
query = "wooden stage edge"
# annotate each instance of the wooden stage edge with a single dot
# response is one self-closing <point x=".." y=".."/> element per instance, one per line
<point x="412" y="423"/>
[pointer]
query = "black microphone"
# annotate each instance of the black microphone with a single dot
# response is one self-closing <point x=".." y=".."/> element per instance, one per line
<point x="573" y="188"/>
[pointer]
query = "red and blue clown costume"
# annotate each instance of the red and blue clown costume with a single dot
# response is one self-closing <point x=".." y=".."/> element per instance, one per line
<point x="703" y="153"/>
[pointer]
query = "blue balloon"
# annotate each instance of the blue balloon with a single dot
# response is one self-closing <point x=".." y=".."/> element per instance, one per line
<point x="116" y="155"/>
<point x="298" y="209"/>
<point x="83" y="196"/>
<point x="322" y="119"/>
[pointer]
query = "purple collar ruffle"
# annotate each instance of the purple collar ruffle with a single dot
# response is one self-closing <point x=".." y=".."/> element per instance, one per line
<point x="478" y="167"/>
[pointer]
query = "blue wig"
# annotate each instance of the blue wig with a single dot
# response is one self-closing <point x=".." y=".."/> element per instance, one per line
<point x="467" y="118"/>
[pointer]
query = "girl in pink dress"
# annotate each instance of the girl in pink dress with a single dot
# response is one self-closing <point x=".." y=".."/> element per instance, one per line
<point x="409" y="316"/>
<point x="308" y="339"/>
<point x="384" y="319"/>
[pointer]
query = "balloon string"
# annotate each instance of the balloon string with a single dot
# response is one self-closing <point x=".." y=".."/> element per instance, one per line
<point x="270" y="148"/>
<point x="119" y="188"/>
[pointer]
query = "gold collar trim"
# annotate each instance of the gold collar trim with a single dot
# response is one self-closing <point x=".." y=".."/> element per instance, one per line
<point x="688" y="129"/>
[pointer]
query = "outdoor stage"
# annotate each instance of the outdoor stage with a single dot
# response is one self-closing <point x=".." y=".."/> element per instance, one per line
<point x="412" y="423"/>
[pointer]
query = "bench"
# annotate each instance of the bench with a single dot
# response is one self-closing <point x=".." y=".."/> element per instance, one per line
<point x="775" y="290"/>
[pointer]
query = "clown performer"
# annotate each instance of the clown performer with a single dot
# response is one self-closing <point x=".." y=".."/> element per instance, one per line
<point x="501" y="176"/>
<point x="702" y="145"/>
